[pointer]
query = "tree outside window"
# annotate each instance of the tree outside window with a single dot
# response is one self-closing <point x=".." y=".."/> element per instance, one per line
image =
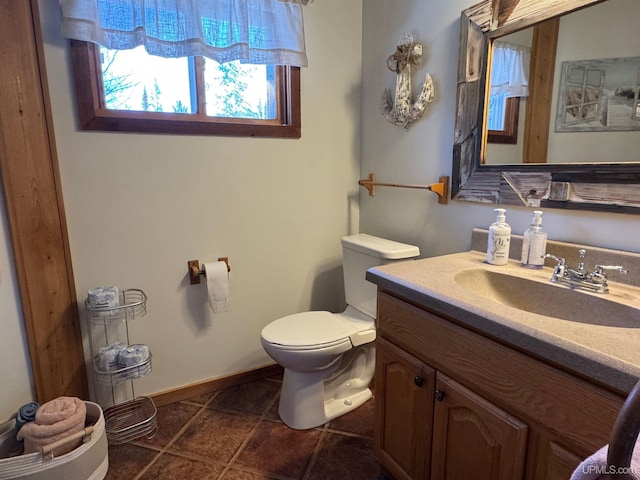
<point x="135" y="91"/>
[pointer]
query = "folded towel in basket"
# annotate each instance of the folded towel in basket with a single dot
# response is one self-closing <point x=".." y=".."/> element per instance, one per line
<point x="26" y="413"/>
<point x="595" y="467"/>
<point x="54" y="421"/>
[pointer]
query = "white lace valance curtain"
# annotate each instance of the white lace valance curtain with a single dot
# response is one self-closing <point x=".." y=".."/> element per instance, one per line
<point x="509" y="70"/>
<point x="268" y="32"/>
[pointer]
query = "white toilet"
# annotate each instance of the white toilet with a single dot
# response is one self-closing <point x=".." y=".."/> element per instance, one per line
<point x="329" y="358"/>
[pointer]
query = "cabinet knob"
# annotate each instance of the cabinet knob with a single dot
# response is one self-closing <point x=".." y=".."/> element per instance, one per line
<point x="419" y="381"/>
<point x="439" y="395"/>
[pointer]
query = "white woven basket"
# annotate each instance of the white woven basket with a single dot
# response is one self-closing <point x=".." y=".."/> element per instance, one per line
<point x="87" y="462"/>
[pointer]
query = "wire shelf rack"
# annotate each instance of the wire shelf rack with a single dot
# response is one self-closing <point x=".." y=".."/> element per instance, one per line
<point x="135" y="417"/>
<point x="130" y="420"/>
<point x="133" y="304"/>
<point x="110" y="378"/>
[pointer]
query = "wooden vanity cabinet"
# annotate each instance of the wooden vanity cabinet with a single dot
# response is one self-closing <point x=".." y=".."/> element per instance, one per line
<point x="472" y="438"/>
<point x="404" y="393"/>
<point x="452" y="404"/>
<point x="420" y="412"/>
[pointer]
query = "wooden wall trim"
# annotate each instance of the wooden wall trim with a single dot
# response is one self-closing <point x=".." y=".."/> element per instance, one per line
<point x="538" y="110"/>
<point x="214" y="385"/>
<point x="35" y="210"/>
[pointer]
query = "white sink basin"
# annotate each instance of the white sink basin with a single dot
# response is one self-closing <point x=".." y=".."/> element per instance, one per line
<point x="548" y="299"/>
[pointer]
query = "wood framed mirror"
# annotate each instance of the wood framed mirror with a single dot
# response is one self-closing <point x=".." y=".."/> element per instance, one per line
<point x="609" y="183"/>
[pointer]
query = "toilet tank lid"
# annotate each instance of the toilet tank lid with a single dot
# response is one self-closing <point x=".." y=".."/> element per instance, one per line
<point x="380" y="247"/>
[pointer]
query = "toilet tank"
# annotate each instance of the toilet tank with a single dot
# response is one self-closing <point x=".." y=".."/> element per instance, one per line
<point x="361" y="252"/>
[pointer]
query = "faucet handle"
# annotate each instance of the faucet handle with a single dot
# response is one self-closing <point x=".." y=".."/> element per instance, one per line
<point x="559" y="269"/>
<point x="602" y="269"/>
<point x="561" y="261"/>
<point x="580" y="269"/>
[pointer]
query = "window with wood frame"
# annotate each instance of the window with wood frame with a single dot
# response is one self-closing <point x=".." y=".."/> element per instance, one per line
<point x="509" y="82"/>
<point x="508" y="133"/>
<point x="131" y="91"/>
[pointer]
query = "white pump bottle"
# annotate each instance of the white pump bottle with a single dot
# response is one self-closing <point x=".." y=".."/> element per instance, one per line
<point x="534" y="243"/>
<point x="499" y="240"/>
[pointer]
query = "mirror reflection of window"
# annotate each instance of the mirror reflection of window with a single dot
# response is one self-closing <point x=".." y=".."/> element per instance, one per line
<point x="497" y="107"/>
<point x="509" y="83"/>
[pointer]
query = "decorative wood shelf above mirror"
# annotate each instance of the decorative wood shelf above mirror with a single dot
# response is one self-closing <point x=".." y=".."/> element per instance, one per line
<point x="609" y="183"/>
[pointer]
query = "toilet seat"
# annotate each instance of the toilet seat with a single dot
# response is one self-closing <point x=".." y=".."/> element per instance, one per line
<point x="316" y="330"/>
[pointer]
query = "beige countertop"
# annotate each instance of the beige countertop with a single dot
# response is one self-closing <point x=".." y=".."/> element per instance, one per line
<point x="600" y="348"/>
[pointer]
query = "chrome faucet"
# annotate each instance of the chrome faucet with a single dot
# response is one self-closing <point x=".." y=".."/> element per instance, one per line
<point x="579" y="277"/>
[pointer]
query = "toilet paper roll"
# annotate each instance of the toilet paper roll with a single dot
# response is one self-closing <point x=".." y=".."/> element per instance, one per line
<point x="217" y="286"/>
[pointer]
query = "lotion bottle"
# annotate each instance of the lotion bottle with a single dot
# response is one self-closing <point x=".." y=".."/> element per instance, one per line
<point x="534" y="243"/>
<point x="499" y="240"/>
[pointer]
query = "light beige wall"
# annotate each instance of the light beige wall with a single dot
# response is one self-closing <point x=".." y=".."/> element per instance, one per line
<point x="139" y="206"/>
<point x="424" y="152"/>
<point x="15" y="378"/>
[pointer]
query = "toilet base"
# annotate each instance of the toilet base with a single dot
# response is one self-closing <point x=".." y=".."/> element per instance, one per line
<point x="303" y="406"/>
<point x="309" y="400"/>
<point x="337" y="407"/>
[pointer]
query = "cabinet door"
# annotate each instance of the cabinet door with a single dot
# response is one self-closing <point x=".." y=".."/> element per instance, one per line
<point x="404" y="389"/>
<point x="556" y="462"/>
<point x="473" y="439"/>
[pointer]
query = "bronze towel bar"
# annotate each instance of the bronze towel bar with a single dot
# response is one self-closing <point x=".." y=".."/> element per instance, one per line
<point x="441" y="188"/>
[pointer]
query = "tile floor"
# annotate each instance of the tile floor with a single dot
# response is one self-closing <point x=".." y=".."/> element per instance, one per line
<point x="236" y="434"/>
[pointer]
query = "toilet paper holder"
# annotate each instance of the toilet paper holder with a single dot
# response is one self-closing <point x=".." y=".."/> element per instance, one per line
<point x="195" y="271"/>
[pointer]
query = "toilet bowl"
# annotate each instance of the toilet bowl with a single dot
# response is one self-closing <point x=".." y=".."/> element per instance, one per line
<point x="329" y="358"/>
<point x="326" y="379"/>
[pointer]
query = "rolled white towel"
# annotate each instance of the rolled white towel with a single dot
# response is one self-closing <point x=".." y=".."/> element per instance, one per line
<point x="103" y="297"/>
<point x="108" y="356"/>
<point x="135" y="355"/>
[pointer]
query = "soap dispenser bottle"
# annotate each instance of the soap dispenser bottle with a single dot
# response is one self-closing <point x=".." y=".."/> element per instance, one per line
<point x="499" y="240"/>
<point x="534" y="243"/>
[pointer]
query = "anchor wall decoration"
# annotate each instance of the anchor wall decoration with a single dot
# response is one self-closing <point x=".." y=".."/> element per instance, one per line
<point x="400" y="111"/>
